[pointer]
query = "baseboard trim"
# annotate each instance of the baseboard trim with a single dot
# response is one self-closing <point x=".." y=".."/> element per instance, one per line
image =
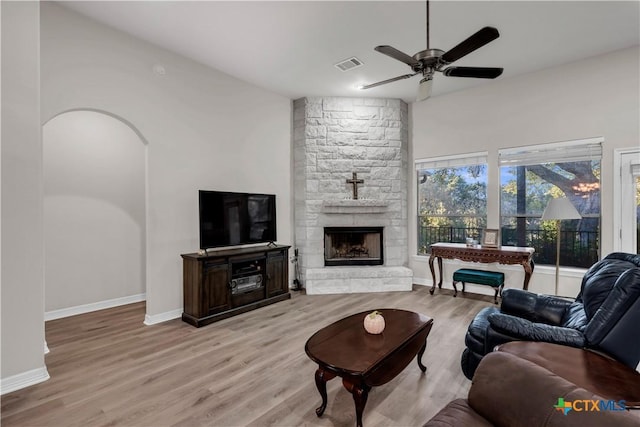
<point x="421" y="281"/>
<point x="162" y="317"/>
<point x="25" y="379"/>
<point x="95" y="306"/>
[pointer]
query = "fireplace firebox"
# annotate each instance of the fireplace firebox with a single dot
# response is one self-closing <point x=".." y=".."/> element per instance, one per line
<point x="353" y="246"/>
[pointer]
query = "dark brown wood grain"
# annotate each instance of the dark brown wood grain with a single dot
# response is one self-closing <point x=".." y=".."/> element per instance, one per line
<point x="501" y="255"/>
<point x="206" y="282"/>
<point x="365" y="360"/>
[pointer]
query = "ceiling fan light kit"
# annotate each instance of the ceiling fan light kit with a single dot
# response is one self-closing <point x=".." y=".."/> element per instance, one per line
<point x="424" y="88"/>
<point x="428" y="61"/>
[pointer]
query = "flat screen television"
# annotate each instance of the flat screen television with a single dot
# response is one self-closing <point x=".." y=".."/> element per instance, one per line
<point x="229" y="219"/>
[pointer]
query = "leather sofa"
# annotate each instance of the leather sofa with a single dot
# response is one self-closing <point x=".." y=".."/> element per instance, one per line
<point x="588" y="369"/>
<point x="604" y="316"/>
<point x="509" y="391"/>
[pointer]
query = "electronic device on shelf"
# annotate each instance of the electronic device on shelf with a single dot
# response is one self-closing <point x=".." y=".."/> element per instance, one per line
<point x="246" y="275"/>
<point x="230" y="219"/>
<point x="246" y="284"/>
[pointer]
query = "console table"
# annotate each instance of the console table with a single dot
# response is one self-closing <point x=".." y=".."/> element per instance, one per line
<point x="501" y="255"/>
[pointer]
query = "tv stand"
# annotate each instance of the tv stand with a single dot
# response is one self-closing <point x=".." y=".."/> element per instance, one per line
<point x="225" y="283"/>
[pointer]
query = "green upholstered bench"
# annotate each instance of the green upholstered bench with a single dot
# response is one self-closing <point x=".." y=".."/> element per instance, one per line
<point x="479" y="277"/>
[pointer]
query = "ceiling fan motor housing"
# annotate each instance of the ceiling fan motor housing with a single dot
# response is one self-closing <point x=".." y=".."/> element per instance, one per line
<point x="428" y="56"/>
<point x="428" y="61"/>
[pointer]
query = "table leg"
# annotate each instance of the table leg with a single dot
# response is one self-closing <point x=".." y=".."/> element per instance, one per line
<point x="360" y="393"/>
<point x="433" y="274"/>
<point x="322" y="377"/>
<point x="440" y="272"/>
<point x="527" y="274"/>
<point x="420" y="353"/>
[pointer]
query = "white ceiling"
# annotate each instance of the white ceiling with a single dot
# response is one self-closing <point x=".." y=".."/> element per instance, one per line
<point x="290" y="47"/>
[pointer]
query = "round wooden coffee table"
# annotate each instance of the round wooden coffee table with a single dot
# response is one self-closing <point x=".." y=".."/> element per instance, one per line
<point x="363" y="360"/>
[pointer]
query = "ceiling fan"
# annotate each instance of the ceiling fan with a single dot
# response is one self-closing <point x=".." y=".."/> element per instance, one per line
<point x="429" y="61"/>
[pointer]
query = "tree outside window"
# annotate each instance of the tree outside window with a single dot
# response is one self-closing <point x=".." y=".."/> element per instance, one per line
<point x="452" y="201"/>
<point x="525" y="192"/>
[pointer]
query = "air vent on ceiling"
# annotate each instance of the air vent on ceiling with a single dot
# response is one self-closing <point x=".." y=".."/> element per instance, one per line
<point x="348" y="64"/>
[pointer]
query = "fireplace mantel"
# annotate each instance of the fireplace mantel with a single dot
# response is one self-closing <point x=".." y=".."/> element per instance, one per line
<point x="349" y="206"/>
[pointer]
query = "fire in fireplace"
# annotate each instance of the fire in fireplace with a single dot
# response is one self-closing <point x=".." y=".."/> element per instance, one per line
<point x="353" y="246"/>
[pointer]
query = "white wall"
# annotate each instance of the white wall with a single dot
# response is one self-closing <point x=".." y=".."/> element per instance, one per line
<point x="204" y="129"/>
<point x="94" y="210"/>
<point x="594" y="97"/>
<point x="22" y="336"/>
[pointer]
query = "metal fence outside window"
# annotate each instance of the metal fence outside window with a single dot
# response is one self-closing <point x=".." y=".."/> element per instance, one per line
<point x="577" y="248"/>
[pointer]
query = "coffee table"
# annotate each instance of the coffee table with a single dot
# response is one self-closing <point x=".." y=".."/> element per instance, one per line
<point x="364" y="360"/>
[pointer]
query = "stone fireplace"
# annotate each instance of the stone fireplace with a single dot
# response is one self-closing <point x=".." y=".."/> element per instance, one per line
<point x="335" y="139"/>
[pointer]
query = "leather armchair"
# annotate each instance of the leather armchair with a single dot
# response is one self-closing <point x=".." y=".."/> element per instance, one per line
<point x="604" y="316"/>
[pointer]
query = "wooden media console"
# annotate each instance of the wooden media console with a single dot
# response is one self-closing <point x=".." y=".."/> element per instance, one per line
<point x="224" y="283"/>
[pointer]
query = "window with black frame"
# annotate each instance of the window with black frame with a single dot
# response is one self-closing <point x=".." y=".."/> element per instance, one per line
<point x="530" y="177"/>
<point x="452" y="199"/>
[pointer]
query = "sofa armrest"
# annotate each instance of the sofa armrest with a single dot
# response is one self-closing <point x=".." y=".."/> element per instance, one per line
<point x="524" y="330"/>
<point x="534" y="307"/>
<point x="624" y="294"/>
<point x="614" y="327"/>
<point x="512" y="392"/>
<point x="457" y="413"/>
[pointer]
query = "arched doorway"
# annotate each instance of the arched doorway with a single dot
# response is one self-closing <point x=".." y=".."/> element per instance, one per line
<point x="94" y="213"/>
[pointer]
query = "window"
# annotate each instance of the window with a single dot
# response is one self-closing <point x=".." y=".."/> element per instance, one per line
<point x="452" y="199"/>
<point x="630" y="230"/>
<point x="529" y="177"/>
<point x="637" y="203"/>
<point x="626" y="202"/>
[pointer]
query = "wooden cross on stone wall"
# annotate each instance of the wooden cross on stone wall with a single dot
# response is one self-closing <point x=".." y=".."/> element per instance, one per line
<point x="355" y="181"/>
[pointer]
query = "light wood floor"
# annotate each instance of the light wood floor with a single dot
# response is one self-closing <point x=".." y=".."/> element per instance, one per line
<point x="108" y="369"/>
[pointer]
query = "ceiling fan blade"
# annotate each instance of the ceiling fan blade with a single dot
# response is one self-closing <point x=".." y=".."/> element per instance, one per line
<point x="384" y="82"/>
<point x="397" y="55"/>
<point x="477" y="72"/>
<point x="476" y="41"/>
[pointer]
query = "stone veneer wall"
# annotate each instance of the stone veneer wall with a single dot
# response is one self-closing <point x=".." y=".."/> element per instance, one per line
<point x="334" y="137"/>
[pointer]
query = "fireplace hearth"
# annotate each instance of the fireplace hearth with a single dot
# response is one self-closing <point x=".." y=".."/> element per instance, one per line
<point x="353" y="246"/>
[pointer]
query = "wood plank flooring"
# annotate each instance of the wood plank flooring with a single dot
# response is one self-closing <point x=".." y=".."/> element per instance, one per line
<point x="108" y="369"/>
